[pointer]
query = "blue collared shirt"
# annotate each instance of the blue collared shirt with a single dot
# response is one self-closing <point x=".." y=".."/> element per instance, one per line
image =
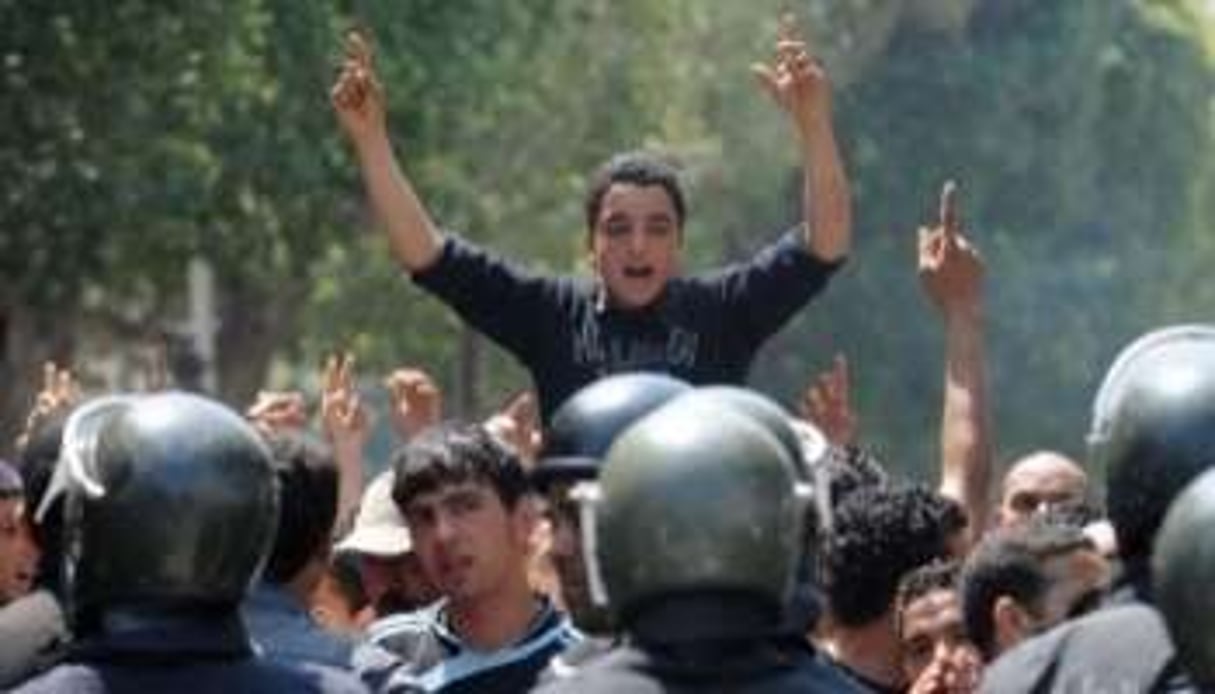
<point x="283" y="630"/>
<point x="419" y="652"/>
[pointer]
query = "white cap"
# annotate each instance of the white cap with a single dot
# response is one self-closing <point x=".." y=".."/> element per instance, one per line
<point x="379" y="528"/>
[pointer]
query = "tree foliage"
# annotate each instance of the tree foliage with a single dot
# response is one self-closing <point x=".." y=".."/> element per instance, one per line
<point x="140" y="135"/>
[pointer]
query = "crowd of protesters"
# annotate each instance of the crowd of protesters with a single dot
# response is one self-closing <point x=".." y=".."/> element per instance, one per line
<point x="643" y="523"/>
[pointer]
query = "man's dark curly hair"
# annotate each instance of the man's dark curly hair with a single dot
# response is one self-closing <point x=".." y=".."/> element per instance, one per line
<point x="882" y="533"/>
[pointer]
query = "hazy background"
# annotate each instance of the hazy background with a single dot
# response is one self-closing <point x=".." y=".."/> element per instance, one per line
<point x="141" y="139"/>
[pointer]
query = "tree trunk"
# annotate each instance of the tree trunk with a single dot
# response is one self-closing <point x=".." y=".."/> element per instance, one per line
<point x="253" y="321"/>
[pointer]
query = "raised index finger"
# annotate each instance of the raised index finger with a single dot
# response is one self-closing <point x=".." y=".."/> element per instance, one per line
<point x="329" y="377"/>
<point x="790" y="40"/>
<point x="358" y="46"/>
<point x="950" y="219"/>
<point x="786" y="28"/>
<point x="48" y="376"/>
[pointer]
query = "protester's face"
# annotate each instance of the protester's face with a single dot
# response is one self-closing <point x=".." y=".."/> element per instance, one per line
<point x="18" y="553"/>
<point x="398" y="581"/>
<point x="936" y="656"/>
<point x="1038" y="485"/>
<point x="330" y="607"/>
<point x="470" y="545"/>
<point x="635" y="243"/>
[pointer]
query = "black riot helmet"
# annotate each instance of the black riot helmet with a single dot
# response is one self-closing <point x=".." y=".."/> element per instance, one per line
<point x="1183" y="573"/>
<point x="807" y="449"/>
<point x="167" y="500"/>
<point x="1153" y="428"/>
<point x="775" y="419"/>
<point x="584" y="426"/>
<point x="696" y="498"/>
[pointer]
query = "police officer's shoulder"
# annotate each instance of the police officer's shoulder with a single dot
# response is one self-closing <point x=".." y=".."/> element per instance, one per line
<point x="1117" y="647"/>
<point x="581" y="651"/>
<point x="330" y="680"/>
<point x="65" y="678"/>
<point x="252" y="676"/>
<point x="618" y="669"/>
<point x="1028" y="664"/>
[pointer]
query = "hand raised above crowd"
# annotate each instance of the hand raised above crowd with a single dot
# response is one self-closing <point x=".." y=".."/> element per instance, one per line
<point x="275" y="411"/>
<point x="357" y="95"/>
<point x="416" y="401"/>
<point x="345" y="418"/>
<point x="60" y="392"/>
<point x="518" y="424"/>
<point x="796" y="80"/>
<point x="950" y="267"/>
<point x="827" y="404"/>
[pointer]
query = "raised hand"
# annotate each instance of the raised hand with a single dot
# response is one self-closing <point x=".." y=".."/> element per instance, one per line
<point x="796" y="80"/>
<point x="357" y="95"/>
<point x="518" y="424"/>
<point x="950" y="267"/>
<point x="827" y="404"/>
<point x="60" y="391"/>
<point x="417" y="403"/>
<point x="346" y="420"/>
<point x="275" y="411"/>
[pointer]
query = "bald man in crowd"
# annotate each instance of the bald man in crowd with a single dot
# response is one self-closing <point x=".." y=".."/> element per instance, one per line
<point x="1038" y="482"/>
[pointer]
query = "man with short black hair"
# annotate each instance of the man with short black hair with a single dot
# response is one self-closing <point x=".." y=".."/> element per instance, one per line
<point x="463" y="495"/>
<point x="638" y="313"/>
<point x="277" y="608"/>
<point x="1023" y="580"/>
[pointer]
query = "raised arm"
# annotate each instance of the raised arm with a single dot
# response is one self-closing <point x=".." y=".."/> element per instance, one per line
<point x="358" y="99"/>
<point x="827" y="404"/>
<point x="951" y="272"/>
<point x="347" y="426"/>
<point x="798" y="83"/>
<point x="416" y="401"/>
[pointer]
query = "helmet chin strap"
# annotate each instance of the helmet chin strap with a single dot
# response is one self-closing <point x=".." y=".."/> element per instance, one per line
<point x="588" y="495"/>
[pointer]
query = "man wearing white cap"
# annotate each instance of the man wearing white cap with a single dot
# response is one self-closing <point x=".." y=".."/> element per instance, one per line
<point x="392" y="577"/>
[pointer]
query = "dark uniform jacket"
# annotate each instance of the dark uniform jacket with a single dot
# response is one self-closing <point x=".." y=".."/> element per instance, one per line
<point x="1122" y="648"/>
<point x="184" y="655"/>
<point x="704" y="648"/>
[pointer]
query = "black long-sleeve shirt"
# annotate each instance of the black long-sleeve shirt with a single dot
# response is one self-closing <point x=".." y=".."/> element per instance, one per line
<point x="703" y="329"/>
